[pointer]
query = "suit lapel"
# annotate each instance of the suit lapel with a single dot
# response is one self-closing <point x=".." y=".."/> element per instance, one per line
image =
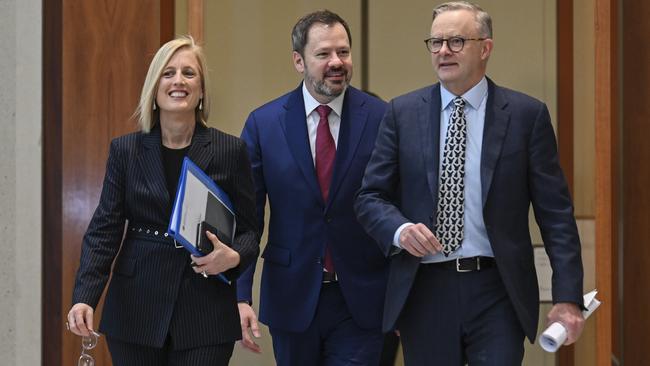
<point x="429" y="125"/>
<point x="294" y="125"/>
<point x="150" y="163"/>
<point x="199" y="152"/>
<point x="353" y="122"/>
<point x="497" y="119"/>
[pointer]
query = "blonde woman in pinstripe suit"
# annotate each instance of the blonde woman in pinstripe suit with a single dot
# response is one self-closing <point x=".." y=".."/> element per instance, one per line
<point x="159" y="309"/>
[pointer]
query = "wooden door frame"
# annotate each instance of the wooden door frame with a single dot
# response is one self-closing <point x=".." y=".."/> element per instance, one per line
<point x="607" y="82"/>
<point x="565" y="123"/>
<point x="52" y="313"/>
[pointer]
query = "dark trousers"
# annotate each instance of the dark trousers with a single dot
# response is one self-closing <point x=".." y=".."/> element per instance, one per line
<point x="453" y="318"/>
<point x="129" y="354"/>
<point x="389" y="351"/>
<point x="332" y="339"/>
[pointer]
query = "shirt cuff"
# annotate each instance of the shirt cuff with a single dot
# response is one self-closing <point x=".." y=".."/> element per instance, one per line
<point x="398" y="232"/>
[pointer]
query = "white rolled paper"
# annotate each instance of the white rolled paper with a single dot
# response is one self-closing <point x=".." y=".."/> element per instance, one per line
<point x="555" y="335"/>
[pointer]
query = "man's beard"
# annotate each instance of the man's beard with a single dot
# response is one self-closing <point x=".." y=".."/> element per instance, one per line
<point x="321" y="87"/>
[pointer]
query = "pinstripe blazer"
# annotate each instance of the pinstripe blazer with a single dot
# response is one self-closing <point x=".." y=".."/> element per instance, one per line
<point x="153" y="290"/>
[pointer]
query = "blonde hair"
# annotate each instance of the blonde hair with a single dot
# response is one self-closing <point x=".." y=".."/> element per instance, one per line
<point x="146" y="115"/>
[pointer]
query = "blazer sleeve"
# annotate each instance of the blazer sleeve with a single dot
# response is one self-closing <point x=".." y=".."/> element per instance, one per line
<point x="553" y="210"/>
<point x="250" y="136"/>
<point x="247" y="238"/>
<point x="376" y="201"/>
<point x="103" y="237"/>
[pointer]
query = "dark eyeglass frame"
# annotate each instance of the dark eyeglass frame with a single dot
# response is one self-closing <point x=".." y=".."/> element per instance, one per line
<point x="451" y="45"/>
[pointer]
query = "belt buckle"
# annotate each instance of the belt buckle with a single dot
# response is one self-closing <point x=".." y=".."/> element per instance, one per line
<point x="331" y="277"/>
<point x="458" y="269"/>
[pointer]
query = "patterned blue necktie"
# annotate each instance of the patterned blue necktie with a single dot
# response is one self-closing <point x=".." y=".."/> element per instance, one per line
<point x="451" y="192"/>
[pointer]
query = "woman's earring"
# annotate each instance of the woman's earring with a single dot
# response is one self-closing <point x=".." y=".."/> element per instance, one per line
<point x="201" y="104"/>
<point x="154" y="105"/>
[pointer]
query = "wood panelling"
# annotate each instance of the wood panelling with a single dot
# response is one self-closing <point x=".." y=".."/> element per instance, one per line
<point x="566" y="355"/>
<point x="607" y="175"/>
<point x="364" y="38"/>
<point x="167" y="20"/>
<point x="52" y="318"/>
<point x="96" y="54"/>
<point x="636" y="180"/>
<point x="195" y="20"/>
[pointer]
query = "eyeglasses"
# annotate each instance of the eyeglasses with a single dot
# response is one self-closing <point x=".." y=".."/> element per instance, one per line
<point x="455" y="44"/>
<point x="88" y="343"/>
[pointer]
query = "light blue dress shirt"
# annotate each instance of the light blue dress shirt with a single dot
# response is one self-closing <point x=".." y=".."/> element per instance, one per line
<point x="475" y="240"/>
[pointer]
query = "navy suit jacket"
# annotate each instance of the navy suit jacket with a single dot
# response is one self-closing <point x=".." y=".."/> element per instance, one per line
<point x="153" y="291"/>
<point x="519" y="167"/>
<point x="301" y="223"/>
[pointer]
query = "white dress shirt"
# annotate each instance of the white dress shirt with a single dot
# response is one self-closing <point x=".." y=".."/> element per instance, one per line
<point x="313" y="118"/>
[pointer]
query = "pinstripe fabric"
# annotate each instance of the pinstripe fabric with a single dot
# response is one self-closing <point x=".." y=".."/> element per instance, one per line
<point x="154" y="292"/>
<point x="126" y="354"/>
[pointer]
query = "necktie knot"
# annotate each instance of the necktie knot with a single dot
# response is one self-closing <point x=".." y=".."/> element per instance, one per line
<point x="323" y="111"/>
<point x="459" y="102"/>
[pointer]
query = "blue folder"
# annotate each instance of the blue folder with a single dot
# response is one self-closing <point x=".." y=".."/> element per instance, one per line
<point x="198" y="199"/>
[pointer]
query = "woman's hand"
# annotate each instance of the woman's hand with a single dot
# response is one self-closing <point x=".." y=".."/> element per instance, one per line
<point x="80" y="319"/>
<point x="221" y="259"/>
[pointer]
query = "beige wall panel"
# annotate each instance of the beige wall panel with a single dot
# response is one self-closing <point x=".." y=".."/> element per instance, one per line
<point x="584" y="148"/>
<point x="398" y="60"/>
<point x="180" y="17"/>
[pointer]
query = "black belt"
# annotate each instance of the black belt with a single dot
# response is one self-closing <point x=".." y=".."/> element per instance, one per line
<point x="468" y="264"/>
<point x="149" y="232"/>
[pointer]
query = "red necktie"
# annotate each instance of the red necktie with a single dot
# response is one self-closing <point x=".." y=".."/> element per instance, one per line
<point x="325" y="153"/>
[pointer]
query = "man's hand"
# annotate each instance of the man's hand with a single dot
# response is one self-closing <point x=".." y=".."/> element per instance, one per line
<point x="248" y="321"/>
<point x="570" y="316"/>
<point x="418" y="240"/>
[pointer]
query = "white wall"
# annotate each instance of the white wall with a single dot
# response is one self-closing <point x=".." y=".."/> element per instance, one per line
<point x="20" y="181"/>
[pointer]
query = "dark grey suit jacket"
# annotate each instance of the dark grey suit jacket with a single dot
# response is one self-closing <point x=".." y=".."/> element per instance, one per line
<point x="153" y="290"/>
<point x="519" y="167"/>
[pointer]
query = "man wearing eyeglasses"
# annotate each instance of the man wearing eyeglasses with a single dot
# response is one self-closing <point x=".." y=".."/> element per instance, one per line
<point x="446" y="195"/>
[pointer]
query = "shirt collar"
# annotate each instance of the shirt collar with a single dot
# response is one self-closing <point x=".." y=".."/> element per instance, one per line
<point x="311" y="103"/>
<point x="473" y="97"/>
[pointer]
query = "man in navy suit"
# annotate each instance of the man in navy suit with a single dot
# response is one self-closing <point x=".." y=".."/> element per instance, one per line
<point x="446" y="194"/>
<point x="324" y="278"/>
